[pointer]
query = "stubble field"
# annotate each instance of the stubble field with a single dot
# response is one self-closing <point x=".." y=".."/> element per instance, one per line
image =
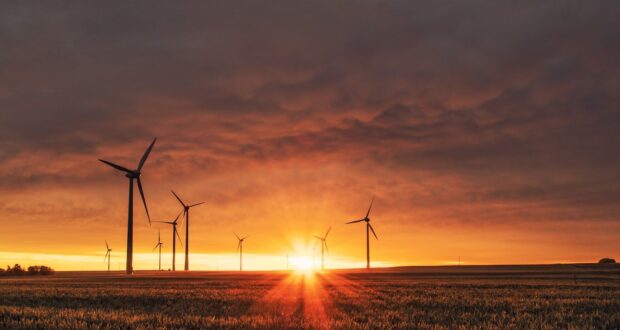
<point x="562" y="296"/>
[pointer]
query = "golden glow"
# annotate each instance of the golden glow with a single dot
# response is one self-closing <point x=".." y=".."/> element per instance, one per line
<point x="303" y="264"/>
<point x="199" y="261"/>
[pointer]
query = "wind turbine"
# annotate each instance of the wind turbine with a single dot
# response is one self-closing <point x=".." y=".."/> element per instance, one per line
<point x="240" y="249"/>
<point x="368" y="228"/>
<point x="323" y="245"/>
<point x="108" y="254"/>
<point x="159" y="244"/>
<point x="186" y="213"/>
<point x="133" y="175"/>
<point x="175" y="234"/>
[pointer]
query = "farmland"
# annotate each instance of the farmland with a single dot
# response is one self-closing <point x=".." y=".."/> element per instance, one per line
<point x="553" y="296"/>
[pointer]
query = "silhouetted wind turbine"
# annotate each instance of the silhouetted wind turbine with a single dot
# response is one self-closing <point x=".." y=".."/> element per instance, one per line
<point x="175" y="234"/>
<point x="368" y="227"/>
<point x="108" y="254"/>
<point x="240" y="249"/>
<point x="133" y="175"/>
<point x="159" y="244"/>
<point x="186" y="213"/>
<point x="323" y="245"/>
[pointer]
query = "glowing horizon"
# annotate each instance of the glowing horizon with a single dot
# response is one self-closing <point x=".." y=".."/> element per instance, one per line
<point x="201" y="262"/>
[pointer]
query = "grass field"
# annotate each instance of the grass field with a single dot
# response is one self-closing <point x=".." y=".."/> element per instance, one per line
<point x="554" y="296"/>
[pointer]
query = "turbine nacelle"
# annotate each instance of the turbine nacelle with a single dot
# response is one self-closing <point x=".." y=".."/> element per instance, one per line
<point x="133" y="174"/>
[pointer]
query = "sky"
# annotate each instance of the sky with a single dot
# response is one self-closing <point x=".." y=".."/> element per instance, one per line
<point x="487" y="131"/>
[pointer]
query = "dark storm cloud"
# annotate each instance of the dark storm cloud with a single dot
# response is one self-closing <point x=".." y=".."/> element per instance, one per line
<point x="518" y="100"/>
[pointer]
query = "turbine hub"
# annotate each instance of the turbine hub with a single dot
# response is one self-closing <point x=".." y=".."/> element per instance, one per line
<point x="133" y="175"/>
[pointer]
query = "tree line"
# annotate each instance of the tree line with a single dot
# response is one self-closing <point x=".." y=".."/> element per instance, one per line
<point x="18" y="270"/>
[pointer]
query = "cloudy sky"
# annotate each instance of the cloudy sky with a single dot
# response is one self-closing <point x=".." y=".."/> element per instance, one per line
<point x="487" y="130"/>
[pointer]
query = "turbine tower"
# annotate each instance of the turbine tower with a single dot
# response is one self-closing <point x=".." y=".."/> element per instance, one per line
<point x="159" y="244"/>
<point x="323" y="241"/>
<point x="133" y="175"/>
<point x="186" y="213"/>
<point x="108" y="254"/>
<point x="175" y="234"/>
<point x="240" y="249"/>
<point x="368" y="228"/>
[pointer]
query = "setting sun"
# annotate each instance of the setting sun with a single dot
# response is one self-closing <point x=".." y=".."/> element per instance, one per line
<point x="302" y="263"/>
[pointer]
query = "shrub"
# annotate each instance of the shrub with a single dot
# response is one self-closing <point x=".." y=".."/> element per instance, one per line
<point x="607" y="261"/>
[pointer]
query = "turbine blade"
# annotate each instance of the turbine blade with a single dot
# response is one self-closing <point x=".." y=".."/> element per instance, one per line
<point x="182" y="217"/>
<point x="143" y="200"/>
<point x="373" y="231"/>
<point x="237" y="236"/>
<point x="326" y="249"/>
<point x="197" y="204"/>
<point x="106" y="255"/>
<point x="179" y="199"/>
<point x="354" y="221"/>
<point x="317" y="237"/>
<point x="245" y="238"/>
<point x="106" y="244"/>
<point x="168" y="222"/>
<point x="156" y="245"/>
<point x="158" y="236"/>
<point x="327" y="233"/>
<point x="368" y="213"/>
<point x="238" y="246"/>
<point x="178" y="215"/>
<point x="180" y="240"/>
<point x="146" y="155"/>
<point x="118" y="167"/>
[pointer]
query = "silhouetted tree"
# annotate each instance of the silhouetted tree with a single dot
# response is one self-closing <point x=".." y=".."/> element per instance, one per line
<point x="45" y="270"/>
<point x="33" y="270"/>
<point x="607" y="261"/>
<point x="16" y="270"/>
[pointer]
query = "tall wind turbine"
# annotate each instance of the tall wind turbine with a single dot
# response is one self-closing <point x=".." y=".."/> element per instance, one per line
<point x="368" y="228"/>
<point x="159" y="244"/>
<point x="323" y="241"/>
<point x="175" y="234"/>
<point x="240" y="249"/>
<point x="186" y="213"/>
<point x="108" y="254"/>
<point x="133" y="175"/>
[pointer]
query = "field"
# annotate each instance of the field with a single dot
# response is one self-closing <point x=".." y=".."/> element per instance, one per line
<point x="468" y="297"/>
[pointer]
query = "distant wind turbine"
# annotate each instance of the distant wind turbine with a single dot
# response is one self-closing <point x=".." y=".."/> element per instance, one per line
<point x="323" y="241"/>
<point x="133" y="175"/>
<point x="240" y="249"/>
<point x="186" y="213"/>
<point x="368" y="228"/>
<point x="175" y="234"/>
<point x="159" y="244"/>
<point x="108" y="254"/>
